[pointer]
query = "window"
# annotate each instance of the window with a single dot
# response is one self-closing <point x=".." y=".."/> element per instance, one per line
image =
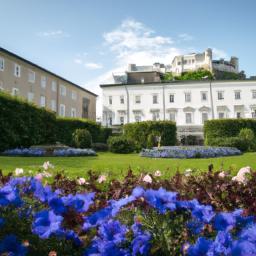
<point x="43" y="81"/>
<point x="254" y="114"/>
<point x="204" y="117"/>
<point x="73" y="112"/>
<point x="204" y="96"/>
<point x="137" y="99"/>
<point x="17" y="70"/>
<point x="185" y="61"/>
<point x="221" y="115"/>
<point x="237" y="95"/>
<point x="63" y="90"/>
<point x="220" y="95"/>
<point x="62" y="110"/>
<point x="15" y="91"/>
<point x="121" y="99"/>
<point x="155" y="116"/>
<point x="137" y="118"/>
<point x="74" y="95"/>
<point x="30" y="96"/>
<point x="254" y="94"/>
<point x="179" y="63"/>
<point x="188" y="118"/>
<point x="171" y="98"/>
<point x="53" y="105"/>
<point x="31" y="76"/>
<point x="187" y="97"/>
<point x="121" y="120"/>
<point x="172" y="116"/>
<point x="42" y="101"/>
<point x="1" y="64"/>
<point x="155" y="99"/>
<point x="110" y="120"/>
<point x="110" y="100"/>
<point x="54" y="86"/>
<point x="238" y="115"/>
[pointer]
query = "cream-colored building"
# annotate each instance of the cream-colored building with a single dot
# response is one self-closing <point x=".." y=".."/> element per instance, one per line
<point x="25" y="79"/>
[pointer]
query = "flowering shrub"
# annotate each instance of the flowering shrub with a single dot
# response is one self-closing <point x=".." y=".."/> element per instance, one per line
<point x="42" y="152"/>
<point x="86" y="218"/>
<point x="189" y="152"/>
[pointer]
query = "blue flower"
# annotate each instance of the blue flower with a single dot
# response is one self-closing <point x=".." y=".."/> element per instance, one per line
<point x="46" y="223"/>
<point x="2" y="221"/>
<point x="224" y="221"/>
<point x="203" y="213"/>
<point x="12" y="246"/>
<point x="243" y="248"/>
<point x="57" y="205"/>
<point x="201" y="247"/>
<point x="222" y="244"/>
<point x="9" y="195"/>
<point x="138" y="192"/>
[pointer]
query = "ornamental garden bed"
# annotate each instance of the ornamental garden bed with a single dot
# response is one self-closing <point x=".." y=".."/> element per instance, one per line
<point x="211" y="214"/>
<point x="189" y="152"/>
<point x="49" y="150"/>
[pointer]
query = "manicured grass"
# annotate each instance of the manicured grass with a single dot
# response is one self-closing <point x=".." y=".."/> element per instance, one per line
<point x="116" y="165"/>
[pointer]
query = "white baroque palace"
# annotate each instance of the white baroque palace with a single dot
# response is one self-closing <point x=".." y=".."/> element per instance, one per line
<point x="187" y="103"/>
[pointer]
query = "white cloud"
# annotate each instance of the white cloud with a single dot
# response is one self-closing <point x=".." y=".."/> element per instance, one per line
<point x="92" y="65"/>
<point x="218" y="53"/>
<point x="53" y="34"/>
<point x="185" y="37"/>
<point x="78" y="61"/>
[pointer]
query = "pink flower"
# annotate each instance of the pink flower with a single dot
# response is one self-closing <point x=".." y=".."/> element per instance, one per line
<point x="222" y="174"/>
<point x="102" y="178"/>
<point x="147" y="179"/>
<point x="46" y="174"/>
<point x="81" y="181"/>
<point x="241" y="175"/>
<point x="157" y="173"/>
<point x="47" y="165"/>
<point x="39" y="176"/>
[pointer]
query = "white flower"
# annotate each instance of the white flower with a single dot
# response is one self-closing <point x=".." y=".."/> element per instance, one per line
<point x="81" y="181"/>
<point x="18" y="171"/>
<point x="102" y="178"/>
<point x="46" y="174"/>
<point x="147" y="179"/>
<point x="222" y="174"/>
<point x="47" y="165"/>
<point x="157" y="173"/>
<point x="241" y="175"/>
<point x="188" y="172"/>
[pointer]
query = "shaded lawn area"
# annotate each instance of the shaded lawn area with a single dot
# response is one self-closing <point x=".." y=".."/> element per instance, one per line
<point x="116" y="165"/>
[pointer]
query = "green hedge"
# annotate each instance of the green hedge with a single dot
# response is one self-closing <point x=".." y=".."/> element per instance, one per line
<point x="140" y="131"/>
<point x="120" y="144"/>
<point x="226" y="128"/>
<point x="67" y="126"/>
<point x="23" y="124"/>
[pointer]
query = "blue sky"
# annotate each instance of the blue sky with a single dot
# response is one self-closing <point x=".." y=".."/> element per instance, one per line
<point x="85" y="41"/>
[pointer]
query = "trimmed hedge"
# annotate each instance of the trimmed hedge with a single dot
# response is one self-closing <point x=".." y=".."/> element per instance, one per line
<point x="226" y="128"/>
<point x="23" y="124"/>
<point x="67" y="126"/>
<point x="82" y="138"/>
<point x="140" y="131"/>
<point x="120" y="144"/>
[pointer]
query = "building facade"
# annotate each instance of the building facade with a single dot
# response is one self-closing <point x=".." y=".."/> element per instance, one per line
<point x="25" y="79"/>
<point x="189" y="103"/>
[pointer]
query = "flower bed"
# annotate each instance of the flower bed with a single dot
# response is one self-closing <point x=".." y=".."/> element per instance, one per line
<point x="189" y="152"/>
<point x="135" y="217"/>
<point x="44" y="152"/>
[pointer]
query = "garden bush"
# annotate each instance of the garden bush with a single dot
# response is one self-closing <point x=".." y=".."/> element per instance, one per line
<point x="23" y="124"/>
<point x="248" y="137"/>
<point x="120" y="144"/>
<point x="152" y="140"/>
<point x="223" y="128"/>
<point x="82" y="138"/>
<point x="98" y="146"/>
<point x="140" y="131"/>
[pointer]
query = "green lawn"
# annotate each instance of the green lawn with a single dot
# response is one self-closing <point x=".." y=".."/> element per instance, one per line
<point x="116" y="165"/>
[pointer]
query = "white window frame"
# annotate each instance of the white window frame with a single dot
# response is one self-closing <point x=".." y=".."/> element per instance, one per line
<point x="254" y="94"/>
<point x="62" y="110"/>
<point x="15" y="91"/>
<point x="206" y="95"/>
<point x="188" y="97"/>
<point x="171" y="96"/>
<point x="42" y="101"/>
<point x="202" y="116"/>
<point x="31" y="76"/>
<point x="63" y="90"/>
<point x="122" y="99"/>
<point x="137" y="118"/>
<point x="241" y="114"/>
<point x="221" y="113"/>
<point x="220" y="93"/>
<point x="156" y="116"/>
<point x="1" y="64"/>
<point x="110" y="100"/>
<point x="74" y="95"/>
<point x="137" y="99"/>
<point x="17" y="70"/>
<point x="174" y="116"/>
<point x="54" y="86"/>
<point x="43" y="82"/>
<point x="53" y="105"/>
<point x="30" y="96"/>
<point x="239" y="93"/>
<point x="191" y="119"/>
<point x="155" y="96"/>
<point x="121" y="118"/>
<point x="73" y="112"/>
